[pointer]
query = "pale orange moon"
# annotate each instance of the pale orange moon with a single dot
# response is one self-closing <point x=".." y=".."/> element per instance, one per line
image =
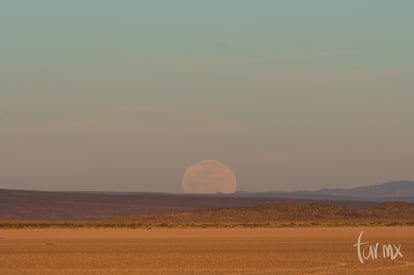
<point x="209" y="176"/>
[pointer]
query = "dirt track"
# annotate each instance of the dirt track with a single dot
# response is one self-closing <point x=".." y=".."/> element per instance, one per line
<point x="201" y="251"/>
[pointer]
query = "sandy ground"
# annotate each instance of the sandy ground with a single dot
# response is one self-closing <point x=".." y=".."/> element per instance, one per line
<point x="202" y="251"/>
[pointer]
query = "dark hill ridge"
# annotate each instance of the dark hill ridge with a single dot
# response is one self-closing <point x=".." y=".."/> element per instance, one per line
<point x="87" y="205"/>
<point x="97" y="205"/>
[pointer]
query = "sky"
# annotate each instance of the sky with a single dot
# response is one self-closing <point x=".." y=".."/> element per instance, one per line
<point x="126" y="95"/>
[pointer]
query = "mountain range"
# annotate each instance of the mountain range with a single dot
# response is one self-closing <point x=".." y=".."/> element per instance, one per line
<point x="391" y="191"/>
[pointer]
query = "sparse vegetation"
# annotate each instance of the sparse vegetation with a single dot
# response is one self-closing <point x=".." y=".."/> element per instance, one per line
<point x="269" y="216"/>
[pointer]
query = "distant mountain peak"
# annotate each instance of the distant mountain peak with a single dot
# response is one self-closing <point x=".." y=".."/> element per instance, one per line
<point x="386" y="191"/>
<point x="402" y="190"/>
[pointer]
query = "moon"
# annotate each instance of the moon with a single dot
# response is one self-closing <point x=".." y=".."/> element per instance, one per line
<point x="209" y="176"/>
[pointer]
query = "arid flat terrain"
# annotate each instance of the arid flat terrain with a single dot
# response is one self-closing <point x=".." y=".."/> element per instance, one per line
<point x="312" y="250"/>
<point x="83" y="233"/>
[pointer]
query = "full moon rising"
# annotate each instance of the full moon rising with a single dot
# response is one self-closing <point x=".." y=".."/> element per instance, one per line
<point x="209" y="176"/>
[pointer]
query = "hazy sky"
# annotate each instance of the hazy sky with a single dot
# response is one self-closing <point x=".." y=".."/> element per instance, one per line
<point x="125" y="95"/>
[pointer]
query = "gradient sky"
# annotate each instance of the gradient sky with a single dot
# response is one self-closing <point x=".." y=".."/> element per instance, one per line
<point x="125" y="95"/>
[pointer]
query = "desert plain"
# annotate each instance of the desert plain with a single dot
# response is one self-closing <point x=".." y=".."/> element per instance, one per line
<point x="290" y="250"/>
<point x="82" y="233"/>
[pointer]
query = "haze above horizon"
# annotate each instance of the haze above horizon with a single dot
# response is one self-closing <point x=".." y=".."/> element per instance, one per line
<point x="125" y="96"/>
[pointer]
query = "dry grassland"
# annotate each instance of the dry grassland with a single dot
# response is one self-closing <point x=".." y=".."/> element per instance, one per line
<point x="317" y="250"/>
